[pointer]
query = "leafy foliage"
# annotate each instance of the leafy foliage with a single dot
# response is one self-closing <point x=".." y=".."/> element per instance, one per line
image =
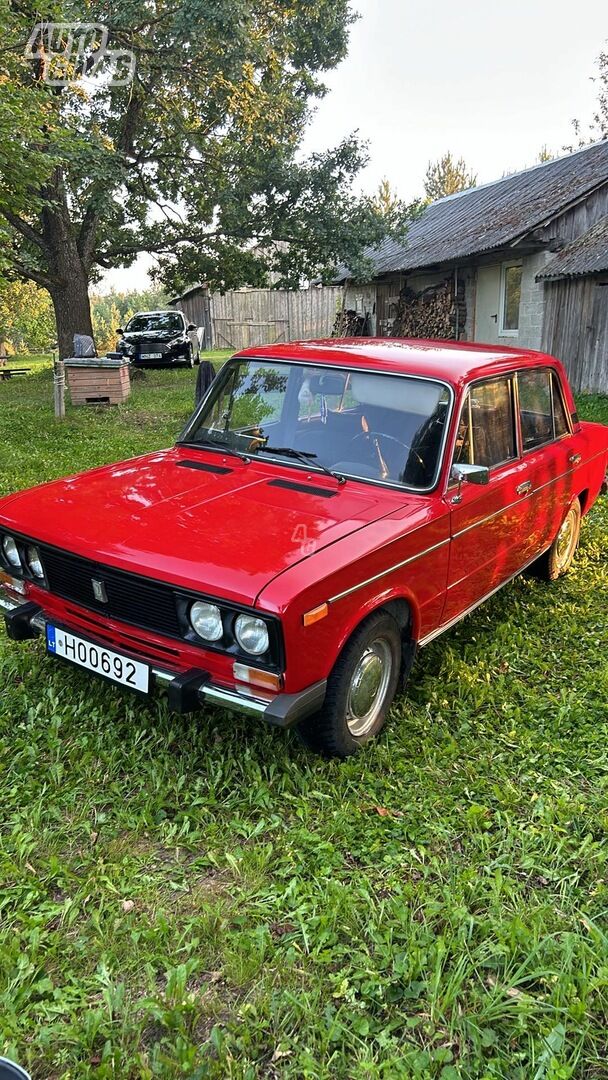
<point x="386" y="200"/>
<point x="26" y="317"/>
<point x="446" y="176"/>
<point x="197" y="161"/>
<point x="202" y="897"/>
<point x="598" y="128"/>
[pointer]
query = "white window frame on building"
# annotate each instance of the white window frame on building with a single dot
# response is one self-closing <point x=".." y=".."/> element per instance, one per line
<point x="503" y="330"/>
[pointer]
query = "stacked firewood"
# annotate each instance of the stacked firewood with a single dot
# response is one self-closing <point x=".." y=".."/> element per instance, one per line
<point x="350" y="324"/>
<point x="436" y="312"/>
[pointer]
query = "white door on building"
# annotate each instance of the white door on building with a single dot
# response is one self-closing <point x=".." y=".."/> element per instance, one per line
<point x="487" y="304"/>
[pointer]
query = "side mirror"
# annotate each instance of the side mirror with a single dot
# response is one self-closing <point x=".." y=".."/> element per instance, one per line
<point x="120" y="330"/>
<point x="191" y="326"/>
<point x="473" y="474"/>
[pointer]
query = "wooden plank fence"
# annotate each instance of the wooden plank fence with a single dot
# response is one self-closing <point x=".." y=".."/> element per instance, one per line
<point x="249" y="317"/>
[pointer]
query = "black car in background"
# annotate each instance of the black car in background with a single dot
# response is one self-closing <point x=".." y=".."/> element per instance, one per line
<point x="151" y="338"/>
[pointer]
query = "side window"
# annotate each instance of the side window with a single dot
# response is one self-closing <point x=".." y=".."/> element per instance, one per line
<point x="541" y="408"/>
<point x="559" y="409"/>
<point x="486" y="433"/>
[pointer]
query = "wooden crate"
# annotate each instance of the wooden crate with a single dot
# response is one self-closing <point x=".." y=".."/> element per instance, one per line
<point x="95" y="382"/>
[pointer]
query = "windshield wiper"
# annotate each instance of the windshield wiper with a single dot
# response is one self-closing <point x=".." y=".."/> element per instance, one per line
<point x="213" y="444"/>
<point x="306" y="457"/>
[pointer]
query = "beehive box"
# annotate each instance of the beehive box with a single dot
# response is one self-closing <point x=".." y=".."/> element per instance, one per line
<point x="98" y="381"/>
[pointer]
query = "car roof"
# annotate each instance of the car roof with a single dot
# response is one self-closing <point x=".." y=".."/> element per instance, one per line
<point x="451" y="361"/>
<point x="161" y="311"/>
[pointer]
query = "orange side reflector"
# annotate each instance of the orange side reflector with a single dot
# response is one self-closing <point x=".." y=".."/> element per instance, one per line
<point x="315" y="615"/>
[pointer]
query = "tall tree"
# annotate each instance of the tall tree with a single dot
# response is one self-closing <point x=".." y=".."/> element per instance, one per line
<point x="598" y="128"/>
<point x="195" y="159"/>
<point x="386" y="199"/>
<point x="446" y="177"/>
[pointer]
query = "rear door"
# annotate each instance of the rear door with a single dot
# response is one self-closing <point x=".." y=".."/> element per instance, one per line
<point x="550" y="452"/>
<point x="489" y="526"/>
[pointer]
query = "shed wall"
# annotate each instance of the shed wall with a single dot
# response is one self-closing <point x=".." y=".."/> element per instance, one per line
<point x="576" y="330"/>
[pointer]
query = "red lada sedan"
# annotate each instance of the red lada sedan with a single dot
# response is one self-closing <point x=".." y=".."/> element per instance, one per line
<point x="331" y="507"/>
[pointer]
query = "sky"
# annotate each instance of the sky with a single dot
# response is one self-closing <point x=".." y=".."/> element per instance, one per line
<point x="493" y="83"/>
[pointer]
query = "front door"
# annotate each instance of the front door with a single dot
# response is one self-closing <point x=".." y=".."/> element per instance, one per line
<point x="487" y="304"/>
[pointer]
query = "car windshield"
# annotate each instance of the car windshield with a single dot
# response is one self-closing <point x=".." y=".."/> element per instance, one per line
<point x="165" y="320"/>
<point x="361" y="424"/>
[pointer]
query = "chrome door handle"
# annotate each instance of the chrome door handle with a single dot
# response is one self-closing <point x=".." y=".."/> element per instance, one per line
<point x="523" y="489"/>
<point x="574" y="459"/>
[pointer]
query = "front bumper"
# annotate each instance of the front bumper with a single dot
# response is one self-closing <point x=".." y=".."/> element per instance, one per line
<point x="187" y="691"/>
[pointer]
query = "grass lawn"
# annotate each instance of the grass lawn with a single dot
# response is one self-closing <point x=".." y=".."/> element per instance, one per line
<point x="202" y="897"/>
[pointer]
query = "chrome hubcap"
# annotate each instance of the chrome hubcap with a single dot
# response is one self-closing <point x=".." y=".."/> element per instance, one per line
<point x="565" y="540"/>
<point x="368" y="687"/>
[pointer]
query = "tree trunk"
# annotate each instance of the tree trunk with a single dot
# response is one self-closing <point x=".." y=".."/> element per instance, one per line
<point x="72" y="306"/>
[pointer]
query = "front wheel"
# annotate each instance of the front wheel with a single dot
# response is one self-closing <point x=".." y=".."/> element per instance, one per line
<point x="558" y="559"/>
<point x="360" y="689"/>
<point x="189" y="359"/>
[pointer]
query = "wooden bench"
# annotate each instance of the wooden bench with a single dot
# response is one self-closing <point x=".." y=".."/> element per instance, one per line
<point x="7" y="373"/>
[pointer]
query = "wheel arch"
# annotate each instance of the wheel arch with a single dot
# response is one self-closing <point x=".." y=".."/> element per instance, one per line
<point x="403" y="607"/>
<point x="583" y="499"/>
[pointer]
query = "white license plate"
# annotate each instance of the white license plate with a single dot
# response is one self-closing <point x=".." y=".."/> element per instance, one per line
<point x="118" y="668"/>
<point x="151" y="355"/>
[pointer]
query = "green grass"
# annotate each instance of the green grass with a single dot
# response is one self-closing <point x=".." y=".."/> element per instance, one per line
<point x="202" y="897"/>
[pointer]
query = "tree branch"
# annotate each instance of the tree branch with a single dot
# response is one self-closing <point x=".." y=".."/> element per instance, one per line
<point x="25" y="229"/>
<point x="27" y="272"/>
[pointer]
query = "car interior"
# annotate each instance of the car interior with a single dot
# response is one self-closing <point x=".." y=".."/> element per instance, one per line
<point x="360" y="425"/>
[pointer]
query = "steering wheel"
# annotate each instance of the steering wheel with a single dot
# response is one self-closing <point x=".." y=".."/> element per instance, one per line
<point x="371" y="435"/>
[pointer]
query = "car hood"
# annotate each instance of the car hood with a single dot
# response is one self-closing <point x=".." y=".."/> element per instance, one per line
<point x="152" y="335"/>
<point x="227" y="533"/>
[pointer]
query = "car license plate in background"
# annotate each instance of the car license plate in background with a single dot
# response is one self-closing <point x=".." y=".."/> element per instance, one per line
<point x="151" y="355"/>
<point x="119" y="669"/>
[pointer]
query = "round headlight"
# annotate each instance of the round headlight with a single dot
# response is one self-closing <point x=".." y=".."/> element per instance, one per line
<point x="11" y="552"/>
<point x="34" y="562"/>
<point x="251" y="634"/>
<point x="206" y="621"/>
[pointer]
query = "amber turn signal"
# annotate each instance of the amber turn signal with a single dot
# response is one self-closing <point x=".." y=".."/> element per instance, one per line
<point x="243" y="673"/>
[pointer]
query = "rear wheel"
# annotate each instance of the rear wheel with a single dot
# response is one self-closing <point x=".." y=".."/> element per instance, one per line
<point x="558" y="559"/>
<point x="360" y="689"/>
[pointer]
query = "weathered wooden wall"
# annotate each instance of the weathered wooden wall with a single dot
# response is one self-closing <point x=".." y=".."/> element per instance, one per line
<point x="576" y="329"/>
<point x="264" y="316"/>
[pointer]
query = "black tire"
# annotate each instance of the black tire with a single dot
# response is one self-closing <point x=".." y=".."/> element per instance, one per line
<point x="558" y="559"/>
<point x="373" y="650"/>
<point x="189" y="359"/>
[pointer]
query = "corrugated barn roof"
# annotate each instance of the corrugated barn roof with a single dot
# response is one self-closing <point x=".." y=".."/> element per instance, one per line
<point x="588" y="254"/>
<point x="490" y="216"/>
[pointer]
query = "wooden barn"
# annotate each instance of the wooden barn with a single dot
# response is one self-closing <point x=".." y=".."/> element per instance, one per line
<point x="522" y="261"/>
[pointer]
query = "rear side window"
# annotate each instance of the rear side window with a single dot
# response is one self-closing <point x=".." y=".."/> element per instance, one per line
<point x="486" y="435"/>
<point x="541" y="408"/>
<point x="560" y="418"/>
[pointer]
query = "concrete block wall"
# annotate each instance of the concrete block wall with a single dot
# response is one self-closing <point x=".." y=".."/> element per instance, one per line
<point x="532" y="307"/>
